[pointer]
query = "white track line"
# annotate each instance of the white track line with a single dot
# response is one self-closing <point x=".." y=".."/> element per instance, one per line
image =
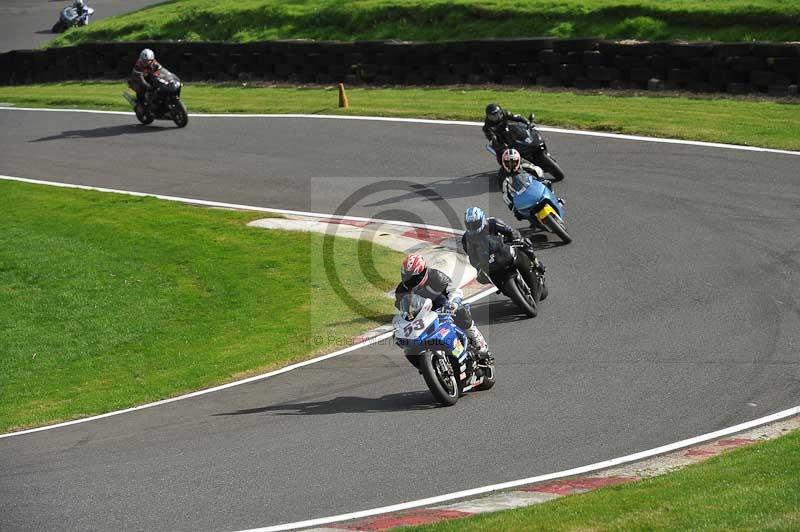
<point x="254" y="378"/>
<point x="550" y="476"/>
<point x="637" y="138"/>
<point x="208" y="203"/>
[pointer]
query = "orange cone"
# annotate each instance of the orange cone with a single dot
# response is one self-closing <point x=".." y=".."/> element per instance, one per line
<point x="343" y="101"/>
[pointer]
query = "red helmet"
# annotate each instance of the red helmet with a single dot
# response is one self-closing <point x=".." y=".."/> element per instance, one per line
<point x="511" y="161"/>
<point x="414" y="271"/>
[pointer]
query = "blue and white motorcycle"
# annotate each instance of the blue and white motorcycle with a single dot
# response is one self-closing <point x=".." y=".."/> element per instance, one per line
<point x="532" y="200"/>
<point x="440" y="351"/>
<point x="69" y="18"/>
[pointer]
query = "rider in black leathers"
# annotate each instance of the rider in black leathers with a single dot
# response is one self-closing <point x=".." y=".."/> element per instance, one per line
<point x="495" y="124"/>
<point x="480" y="227"/>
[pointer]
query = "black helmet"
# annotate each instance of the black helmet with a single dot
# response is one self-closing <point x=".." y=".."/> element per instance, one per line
<point x="494" y="114"/>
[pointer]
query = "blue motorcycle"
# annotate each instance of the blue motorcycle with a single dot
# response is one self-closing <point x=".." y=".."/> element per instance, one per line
<point x="532" y="200"/>
<point x="440" y="351"/>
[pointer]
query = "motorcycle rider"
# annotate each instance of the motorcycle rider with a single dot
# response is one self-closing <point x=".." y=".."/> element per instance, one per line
<point x="81" y="9"/>
<point x="479" y="227"/>
<point x="511" y="163"/>
<point x="141" y="77"/>
<point x="496" y="122"/>
<point x="518" y="179"/>
<point x="417" y="278"/>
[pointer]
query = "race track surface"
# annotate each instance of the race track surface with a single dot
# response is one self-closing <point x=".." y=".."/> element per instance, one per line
<point x="674" y="313"/>
<point x="26" y="24"/>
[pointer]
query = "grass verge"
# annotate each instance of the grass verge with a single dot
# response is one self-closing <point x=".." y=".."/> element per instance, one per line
<point x="753" y="488"/>
<point x="108" y="300"/>
<point x="737" y="121"/>
<point x="437" y="20"/>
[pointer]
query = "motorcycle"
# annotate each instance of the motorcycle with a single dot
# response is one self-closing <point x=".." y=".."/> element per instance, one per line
<point x="69" y="18"/>
<point x="440" y="351"/>
<point x="163" y="102"/>
<point x="530" y="144"/>
<point x="498" y="261"/>
<point x="532" y="200"/>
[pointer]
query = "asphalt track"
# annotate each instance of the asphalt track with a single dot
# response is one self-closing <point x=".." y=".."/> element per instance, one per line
<point x="675" y="312"/>
<point x="26" y="24"/>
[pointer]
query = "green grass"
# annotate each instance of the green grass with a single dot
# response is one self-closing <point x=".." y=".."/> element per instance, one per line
<point x="737" y="121"/>
<point x="108" y="300"/>
<point x="436" y="20"/>
<point x="754" y="488"/>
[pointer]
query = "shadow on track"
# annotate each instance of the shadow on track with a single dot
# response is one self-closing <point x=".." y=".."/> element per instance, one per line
<point x="102" y="132"/>
<point x="396" y="402"/>
<point x="541" y="239"/>
<point x="450" y="188"/>
<point x="497" y="311"/>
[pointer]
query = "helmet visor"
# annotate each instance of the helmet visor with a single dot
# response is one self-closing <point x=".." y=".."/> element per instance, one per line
<point x="473" y="226"/>
<point x="495" y="118"/>
<point x="412" y="280"/>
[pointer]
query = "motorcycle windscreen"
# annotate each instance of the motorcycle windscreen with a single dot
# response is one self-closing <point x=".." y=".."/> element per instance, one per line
<point x="412" y="304"/>
<point x="69" y="14"/>
<point x="529" y="194"/>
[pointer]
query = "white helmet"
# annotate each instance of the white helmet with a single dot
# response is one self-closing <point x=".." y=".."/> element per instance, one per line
<point x="147" y="55"/>
<point x="78" y="4"/>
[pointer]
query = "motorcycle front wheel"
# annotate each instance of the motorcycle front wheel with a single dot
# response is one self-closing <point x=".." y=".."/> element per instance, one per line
<point x="524" y="301"/>
<point x="179" y="114"/>
<point x="440" y="377"/>
<point x="555" y="224"/>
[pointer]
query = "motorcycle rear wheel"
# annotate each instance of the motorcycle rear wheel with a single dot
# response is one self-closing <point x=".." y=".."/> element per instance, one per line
<point x="555" y="224"/>
<point x="143" y="115"/>
<point x="526" y="303"/>
<point x="435" y="366"/>
<point x="180" y="115"/>
<point x="550" y="166"/>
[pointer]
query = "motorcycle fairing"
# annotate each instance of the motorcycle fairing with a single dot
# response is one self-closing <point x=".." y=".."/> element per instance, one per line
<point x="539" y="199"/>
<point x="430" y="329"/>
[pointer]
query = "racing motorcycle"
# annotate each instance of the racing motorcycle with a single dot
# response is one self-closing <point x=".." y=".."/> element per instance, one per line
<point x="163" y="101"/>
<point x="530" y="144"/>
<point x="497" y="260"/>
<point x="532" y="200"/>
<point x="69" y="18"/>
<point x="440" y="351"/>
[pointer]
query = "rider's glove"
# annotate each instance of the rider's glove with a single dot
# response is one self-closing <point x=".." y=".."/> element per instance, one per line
<point x="451" y="307"/>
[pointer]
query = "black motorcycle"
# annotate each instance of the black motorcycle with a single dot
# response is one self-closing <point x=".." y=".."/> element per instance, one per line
<point x="497" y="260"/>
<point x="530" y="144"/>
<point x="163" y="101"/>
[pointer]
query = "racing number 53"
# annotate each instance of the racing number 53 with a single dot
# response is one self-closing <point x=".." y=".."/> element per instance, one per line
<point x="416" y="325"/>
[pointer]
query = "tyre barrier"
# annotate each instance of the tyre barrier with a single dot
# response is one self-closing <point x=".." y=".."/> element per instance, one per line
<point x="739" y="68"/>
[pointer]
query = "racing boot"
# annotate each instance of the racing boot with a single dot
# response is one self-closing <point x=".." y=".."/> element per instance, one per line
<point x="477" y="341"/>
<point x="539" y="267"/>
